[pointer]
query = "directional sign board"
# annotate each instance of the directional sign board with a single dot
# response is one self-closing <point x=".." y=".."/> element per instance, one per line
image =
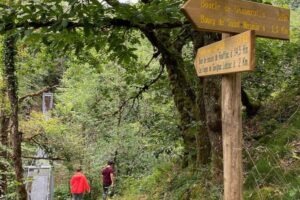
<point x="234" y="54"/>
<point x="234" y="16"/>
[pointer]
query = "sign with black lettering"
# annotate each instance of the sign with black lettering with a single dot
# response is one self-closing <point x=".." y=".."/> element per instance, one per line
<point x="231" y="55"/>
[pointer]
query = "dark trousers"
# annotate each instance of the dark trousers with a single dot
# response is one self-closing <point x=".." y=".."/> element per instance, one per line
<point x="105" y="191"/>
<point x="78" y="196"/>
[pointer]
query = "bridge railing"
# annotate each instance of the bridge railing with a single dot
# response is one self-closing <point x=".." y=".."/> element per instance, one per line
<point x="40" y="182"/>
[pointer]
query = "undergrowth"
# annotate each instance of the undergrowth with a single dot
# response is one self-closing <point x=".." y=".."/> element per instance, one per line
<point x="271" y="164"/>
<point x="169" y="182"/>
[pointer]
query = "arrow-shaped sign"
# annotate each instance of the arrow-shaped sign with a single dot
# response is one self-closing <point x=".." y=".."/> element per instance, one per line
<point x="234" y="16"/>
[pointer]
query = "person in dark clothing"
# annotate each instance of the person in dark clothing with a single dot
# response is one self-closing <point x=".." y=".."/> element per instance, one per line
<point x="107" y="178"/>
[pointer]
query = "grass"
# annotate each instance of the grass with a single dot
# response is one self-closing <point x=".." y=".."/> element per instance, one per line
<point x="274" y="168"/>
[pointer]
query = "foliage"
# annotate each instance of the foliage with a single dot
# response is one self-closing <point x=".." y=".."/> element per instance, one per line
<point x="272" y="166"/>
<point x="279" y="60"/>
<point x="95" y="103"/>
<point x="273" y="163"/>
<point x="37" y="67"/>
<point x="277" y="64"/>
<point x="112" y="104"/>
<point x="168" y="181"/>
<point x="52" y="136"/>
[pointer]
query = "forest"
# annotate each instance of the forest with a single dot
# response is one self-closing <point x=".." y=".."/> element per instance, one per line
<point x="122" y="86"/>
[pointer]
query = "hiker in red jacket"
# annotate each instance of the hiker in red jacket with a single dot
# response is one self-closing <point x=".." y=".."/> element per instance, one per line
<point x="79" y="185"/>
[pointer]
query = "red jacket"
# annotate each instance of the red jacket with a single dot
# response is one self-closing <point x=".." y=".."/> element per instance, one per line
<point x="79" y="184"/>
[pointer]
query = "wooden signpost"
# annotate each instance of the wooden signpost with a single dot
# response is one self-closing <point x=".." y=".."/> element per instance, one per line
<point x="234" y="16"/>
<point x="231" y="56"/>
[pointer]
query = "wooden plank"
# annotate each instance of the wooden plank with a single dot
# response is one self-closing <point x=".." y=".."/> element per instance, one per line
<point x="233" y="54"/>
<point x="232" y="136"/>
<point x="234" y="16"/>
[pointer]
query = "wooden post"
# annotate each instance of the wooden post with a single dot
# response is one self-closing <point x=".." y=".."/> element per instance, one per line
<point x="232" y="135"/>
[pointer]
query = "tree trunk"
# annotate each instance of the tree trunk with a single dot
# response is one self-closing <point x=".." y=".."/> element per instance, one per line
<point x="212" y="99"/>
<point x="185" y="101"/>
<point x="11" y="79"/>
<point x="202" y="137"/>
<point x="209" y="102"/>
<point x="4" y="123"/>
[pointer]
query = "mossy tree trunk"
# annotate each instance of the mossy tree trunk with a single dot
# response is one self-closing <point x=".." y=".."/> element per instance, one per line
<point x="4" y="124"/>
<point x="12" y="88"/>
<point x="195" y="138"/>
<point x="210" y="101"/>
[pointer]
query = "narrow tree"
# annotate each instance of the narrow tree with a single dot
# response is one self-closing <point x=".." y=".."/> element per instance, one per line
<point x="4" y="124"/>
<point x="12" y="88"/>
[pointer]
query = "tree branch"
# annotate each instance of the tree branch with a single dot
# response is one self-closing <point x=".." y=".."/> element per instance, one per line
<point x="140" y="92"/>
<point x="155" y="55"/>
<point x="113" y="3"/>
<point x="181" y="38"/>
<point x="32" y="137"/>
<point x="39" y="24"/>
<point x="142" y="89"/>
<point x="46" y="89"/>
<point x="106" y="23"/>
<point x="146" y="1"/>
